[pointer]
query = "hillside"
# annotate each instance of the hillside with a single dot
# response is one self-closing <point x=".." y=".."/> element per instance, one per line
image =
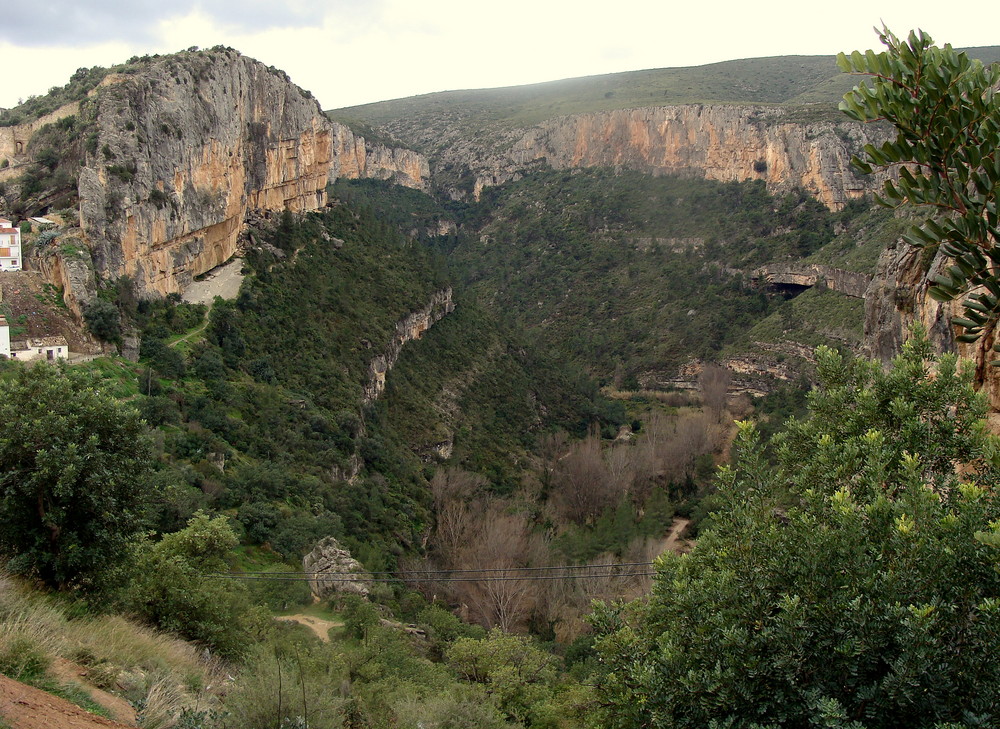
<point x="792" y="81"/>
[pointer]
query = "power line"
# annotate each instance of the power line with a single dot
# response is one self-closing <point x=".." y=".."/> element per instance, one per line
<point x="405" y="573"/>
<point x="279" y="577"/>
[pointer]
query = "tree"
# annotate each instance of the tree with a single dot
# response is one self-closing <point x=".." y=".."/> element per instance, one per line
<point x="946" y="111"/>
<point x="518" y="676"/>
<point x="173" y="591"/>
<point x="849" y="580"/>
<point x="103" y="320"/>
<point x="74" y="466"/>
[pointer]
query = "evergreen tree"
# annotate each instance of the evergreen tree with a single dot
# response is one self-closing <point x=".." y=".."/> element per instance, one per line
<point x="74" y="467"/>
<point x="850" y="582"/>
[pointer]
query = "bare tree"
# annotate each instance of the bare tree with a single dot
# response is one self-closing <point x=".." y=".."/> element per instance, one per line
<point x="714" y="384"/>
<point x="581" y="485"/>
<point x="500" y="546"/>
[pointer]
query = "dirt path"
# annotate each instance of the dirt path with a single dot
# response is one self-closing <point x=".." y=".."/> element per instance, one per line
<point x="673" y="542"/>
<point x="190" y="334"/>
<point x="24" y="707"/>
<point x="69" y="672"/>
<point x="319" y="626"/>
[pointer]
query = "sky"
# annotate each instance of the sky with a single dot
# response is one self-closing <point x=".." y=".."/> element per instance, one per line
<point x="350" y="52"/>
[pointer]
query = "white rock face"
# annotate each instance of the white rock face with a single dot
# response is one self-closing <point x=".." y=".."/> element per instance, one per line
<point x="333" y="569"/>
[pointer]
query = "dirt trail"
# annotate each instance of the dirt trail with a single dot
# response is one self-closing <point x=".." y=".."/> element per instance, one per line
<point x="67" y="671"/>
<point x="673" y="541"/>
<point x="25" y="707"/>
<point x="319" y="626"/>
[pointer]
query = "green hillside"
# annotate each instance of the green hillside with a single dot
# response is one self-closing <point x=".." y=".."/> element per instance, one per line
<point x="779" y="80"/>
<point x="628" y="276"/>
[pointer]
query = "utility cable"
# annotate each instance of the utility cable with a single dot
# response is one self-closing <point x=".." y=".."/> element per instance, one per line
<point x="403" y="573"/>
<point x="361" y="578"/>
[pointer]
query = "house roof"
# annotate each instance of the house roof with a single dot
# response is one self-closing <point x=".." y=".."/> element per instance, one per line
<point x="47" y="342"/>
<point x="22" y="345"/>
<point x="8" y="230"/>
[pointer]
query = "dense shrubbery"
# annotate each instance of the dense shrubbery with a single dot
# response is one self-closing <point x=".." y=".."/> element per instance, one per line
<point x="853" y="583"/>
<point x="620" y="274"/>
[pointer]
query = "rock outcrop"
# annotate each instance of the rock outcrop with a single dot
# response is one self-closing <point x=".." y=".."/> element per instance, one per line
<point x="849" y="283"/>
<point x="899" y="297"/>
<point x="331" y="568"/>
<point x="180" y="151"/>
<point x="718" y="142"/>
<point x="354" y="158"/>
<point x="184" y="149"/>
<point x="408" y="328"/>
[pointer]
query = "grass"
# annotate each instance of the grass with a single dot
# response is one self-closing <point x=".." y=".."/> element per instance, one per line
<point x="858" y="248"/>
<point x="75" y="694"/>
<point x="117" y="374"/>
<point x="36" y="629"/>
<point x="814" y="317"/>
<point x="811" y="84"/>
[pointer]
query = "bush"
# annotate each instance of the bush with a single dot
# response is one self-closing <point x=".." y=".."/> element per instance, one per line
<point x="103" y="320"/>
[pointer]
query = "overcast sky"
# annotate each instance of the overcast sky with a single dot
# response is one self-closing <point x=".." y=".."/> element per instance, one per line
<point x="355" y="51"/>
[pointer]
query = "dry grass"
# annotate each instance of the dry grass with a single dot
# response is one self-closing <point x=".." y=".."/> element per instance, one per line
<point x="150" y="669"/>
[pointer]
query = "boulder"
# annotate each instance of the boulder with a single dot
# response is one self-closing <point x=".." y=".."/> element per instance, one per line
<point x="333" y="569"/>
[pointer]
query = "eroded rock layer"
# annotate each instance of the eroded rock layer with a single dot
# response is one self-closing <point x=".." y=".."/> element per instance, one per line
<point x="718" y="142"/>
<point x="181" y="151"/>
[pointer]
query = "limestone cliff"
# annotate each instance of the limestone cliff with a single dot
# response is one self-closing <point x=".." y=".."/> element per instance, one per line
<point x="180" y="151"/>
<point x="183" y="150"/>
<point x="898" y="298"/>
<point x="354" y="158"/>
<point x="719" y="142"/>
<point x="849" y="283"/>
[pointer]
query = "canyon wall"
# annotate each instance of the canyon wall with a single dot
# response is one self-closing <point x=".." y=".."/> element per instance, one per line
<point x="354" y="158"/>
<point x="725" y="143"/>
<point x="183" y="151"/>
<point x="898" y="298"/>
<point x="180" y="152"/>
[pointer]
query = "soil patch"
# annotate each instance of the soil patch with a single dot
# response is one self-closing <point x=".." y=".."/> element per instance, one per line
<point x="25" y="707"/>
<point x="673" y="541"/>
<point x="221" y="281"/>
<point x="24" y="294"/>
<point x="319" y="626"/>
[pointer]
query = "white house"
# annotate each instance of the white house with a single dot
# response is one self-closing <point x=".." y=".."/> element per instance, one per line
<point x="10" y="246"/>
<point x="4" y="338"/>
<point x="48" y="348"/>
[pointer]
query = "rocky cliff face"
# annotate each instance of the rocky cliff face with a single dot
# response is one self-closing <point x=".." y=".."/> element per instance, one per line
<point x="719" y="142"/>
<point x="184" y="150"/>
<point x="849" y="283"/>
<point x="354" y="158"/>
<point x="898" y="298"/>
<point x="408" y="328"/>
<point x="181" y="151"/>
<point x="726" y="143"/>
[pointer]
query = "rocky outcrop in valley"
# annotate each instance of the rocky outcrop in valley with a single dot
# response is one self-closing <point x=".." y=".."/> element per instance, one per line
<point x="409" y="328"/>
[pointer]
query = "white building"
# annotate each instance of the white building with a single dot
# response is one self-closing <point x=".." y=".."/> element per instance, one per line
<point x="4" y="338"/>
<point x="48" y="348"/>
<point x="10" y="246"/>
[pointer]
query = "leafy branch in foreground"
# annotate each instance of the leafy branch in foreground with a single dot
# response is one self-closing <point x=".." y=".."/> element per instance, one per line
<point x="944" y="106"/>
<point x="849" y="580"/>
